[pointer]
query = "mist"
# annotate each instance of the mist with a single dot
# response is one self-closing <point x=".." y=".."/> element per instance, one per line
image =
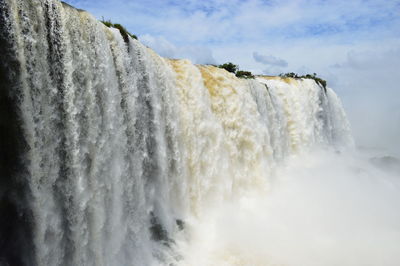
<point x="323" y="208"/>
<point x="367" y="84"/>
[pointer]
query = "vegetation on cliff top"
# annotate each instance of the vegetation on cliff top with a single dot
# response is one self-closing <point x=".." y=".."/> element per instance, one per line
<point x="230" y="67"/>
<point x="318" y="80"/>
<point x="121" y="29"/>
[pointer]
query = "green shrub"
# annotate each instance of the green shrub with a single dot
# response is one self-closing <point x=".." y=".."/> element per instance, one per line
<point x="107" y="23"/>
<point x="230" y="67"/>
<point x="318" y="80"/>
<point x="289" y="75"/>
<point x="244" y="74"/>
<point x="121" y="29"/>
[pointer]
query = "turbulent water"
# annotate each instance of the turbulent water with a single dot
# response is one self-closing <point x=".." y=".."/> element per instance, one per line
<point x="113" y="155"/>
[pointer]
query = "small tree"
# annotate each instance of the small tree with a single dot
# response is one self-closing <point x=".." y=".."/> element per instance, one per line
<point x="230" y="67"/>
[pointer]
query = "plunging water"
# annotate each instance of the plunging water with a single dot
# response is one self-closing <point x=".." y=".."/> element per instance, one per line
<point x="126" y="157"/>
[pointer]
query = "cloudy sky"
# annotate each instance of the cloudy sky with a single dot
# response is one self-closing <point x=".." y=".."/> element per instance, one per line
<point x="353" y="44"/>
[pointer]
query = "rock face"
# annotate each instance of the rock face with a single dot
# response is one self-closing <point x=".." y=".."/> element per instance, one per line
<point x="107" y="148"/>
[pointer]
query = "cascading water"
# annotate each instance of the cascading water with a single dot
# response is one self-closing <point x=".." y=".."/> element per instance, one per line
<point x="111" y="152"/>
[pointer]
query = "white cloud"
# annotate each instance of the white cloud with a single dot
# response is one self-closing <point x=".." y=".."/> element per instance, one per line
<point x="365" y="60"/>
<point x="272" y="71"/>
<point x="162" y="46"/>
<point x="269" y="60"/>
<point x="224" y="21"/>
<point x="197" y="54"/>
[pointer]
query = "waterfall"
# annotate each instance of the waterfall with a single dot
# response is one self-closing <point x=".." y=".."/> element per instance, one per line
<point x="109" y="149"/>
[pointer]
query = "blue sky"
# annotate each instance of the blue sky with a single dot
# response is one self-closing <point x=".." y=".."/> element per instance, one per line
<point x="354" y="44"/>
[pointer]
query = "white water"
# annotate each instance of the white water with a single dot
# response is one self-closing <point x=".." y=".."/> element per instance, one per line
<point x="125" y="144"/>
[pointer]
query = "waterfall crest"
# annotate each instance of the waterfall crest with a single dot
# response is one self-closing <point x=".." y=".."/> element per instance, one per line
<point x="118" y="147"/>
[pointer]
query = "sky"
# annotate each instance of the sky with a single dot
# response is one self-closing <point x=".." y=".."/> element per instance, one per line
<point x="353" y="44"/>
